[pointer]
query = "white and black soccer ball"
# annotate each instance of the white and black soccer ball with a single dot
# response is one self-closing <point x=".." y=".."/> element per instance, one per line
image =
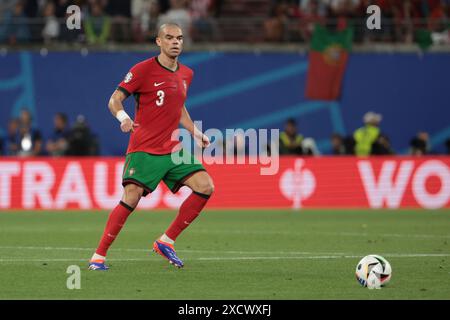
<point x="373" y="271"/>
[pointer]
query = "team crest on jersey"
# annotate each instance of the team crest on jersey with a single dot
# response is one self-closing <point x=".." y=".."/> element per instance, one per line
<point x="131" y="171"/>
<point x="128" y="77"/>
<point x="185" y="85"/>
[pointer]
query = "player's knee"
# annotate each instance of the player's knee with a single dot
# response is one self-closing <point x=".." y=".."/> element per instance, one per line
<point x="132" y="195"/>
<point x="205" y="187"/>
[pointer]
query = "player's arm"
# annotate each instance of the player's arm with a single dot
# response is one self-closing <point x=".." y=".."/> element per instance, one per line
<point x="189" y="125"/>
<point x="115" y="105"/>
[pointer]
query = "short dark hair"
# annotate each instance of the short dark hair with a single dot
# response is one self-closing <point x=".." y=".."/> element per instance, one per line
<point x="337" y="135"/>
<point x="291" y="121"/>
<point x="63" y="116"/>
<point x="27" y="110"/>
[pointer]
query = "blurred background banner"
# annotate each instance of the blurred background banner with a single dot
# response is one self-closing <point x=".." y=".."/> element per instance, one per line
<point x="327" y="182"/>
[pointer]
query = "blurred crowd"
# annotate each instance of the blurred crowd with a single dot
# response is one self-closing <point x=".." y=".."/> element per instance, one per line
<point x="24" y="139"/>
<point x="401" y="20"/>
<point x="136" y="21"/>
<point x="368" y="140"/>
<point x="25" y="21"/>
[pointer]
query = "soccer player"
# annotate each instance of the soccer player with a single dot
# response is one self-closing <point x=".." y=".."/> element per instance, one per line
<point x="159" y="86"/>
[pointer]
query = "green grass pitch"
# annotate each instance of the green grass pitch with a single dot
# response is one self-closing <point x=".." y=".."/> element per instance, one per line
<point x="265" y="254"/>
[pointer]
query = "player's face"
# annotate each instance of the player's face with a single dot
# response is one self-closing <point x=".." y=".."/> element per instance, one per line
<point x="171" y="41"/>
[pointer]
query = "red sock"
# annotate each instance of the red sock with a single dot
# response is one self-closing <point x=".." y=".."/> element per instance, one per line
<point x="189" y="210"/>
<point x="115" y="223"/>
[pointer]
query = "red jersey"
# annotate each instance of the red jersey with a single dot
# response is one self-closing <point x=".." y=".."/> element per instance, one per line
<point x="160" y="94"/>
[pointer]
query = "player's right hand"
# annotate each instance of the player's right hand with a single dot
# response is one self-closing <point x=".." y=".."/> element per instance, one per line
<point x="128" y="125"/>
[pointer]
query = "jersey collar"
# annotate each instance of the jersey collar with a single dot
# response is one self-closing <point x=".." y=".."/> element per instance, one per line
<point x="173" y="71"/>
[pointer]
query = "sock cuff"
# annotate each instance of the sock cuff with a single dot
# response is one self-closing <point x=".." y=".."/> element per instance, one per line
<point x="123" y="204"/>
<point x="204" y="196"/>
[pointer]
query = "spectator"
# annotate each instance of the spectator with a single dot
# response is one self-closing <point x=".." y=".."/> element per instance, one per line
<point x="50" y="31"/>
<point x="290" y="140"/>
<point x="97" y="26"/>
<point x="11" y="143"/>
<point x="145" y="17"/>
<point x="366" y="136"/>
<point x="14" y="28"/>
<point x="179" y="14"/>
<point x="275" y="26"/>
<point x="57" y="144"/>
<point x="309" y="147"/>
<point x="29" y="142"/>
<point x="216" y="8"/>
<point x="309" y="17"/>
<point x="322" y="7"/>
<point x="31" y="8"/>
<point x="341" y="145"/>
<point x="342" y="10"/>
<point x="349" y="144"/>
<point x="420" y="144"/>
<point x="337" y="144"/>
<point x="81" y="141"/>
<point x="2" y="143"/>
<point x="120" y="13"/>
<point x="203" y="27"/>
<point x="164" y="5"/>
<point x="436" y="16"/>
<point x="61" y="7"/>
<point x="31" y="11"/>
<point x="405" y="14"/>
<point x="382" y="146"/>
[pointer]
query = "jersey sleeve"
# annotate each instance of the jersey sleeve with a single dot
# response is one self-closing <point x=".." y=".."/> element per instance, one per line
<point x="132" y="81"/>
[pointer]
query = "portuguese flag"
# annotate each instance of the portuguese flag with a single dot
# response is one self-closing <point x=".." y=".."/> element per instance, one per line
<point x="327" y="61"/>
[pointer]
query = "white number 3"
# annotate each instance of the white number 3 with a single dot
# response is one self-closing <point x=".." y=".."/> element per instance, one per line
<point x="160" y="100"/>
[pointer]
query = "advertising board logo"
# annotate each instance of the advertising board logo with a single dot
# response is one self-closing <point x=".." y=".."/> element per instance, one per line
<point x="297" y="184"/>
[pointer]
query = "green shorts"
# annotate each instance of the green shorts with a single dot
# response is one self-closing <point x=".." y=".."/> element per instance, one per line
<point x="147" y="170"/>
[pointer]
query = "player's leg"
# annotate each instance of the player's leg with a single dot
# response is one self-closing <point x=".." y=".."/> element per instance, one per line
<point x="141" y="175"/>
<point x="202" y="187"/>
<point x="130" y="199"/>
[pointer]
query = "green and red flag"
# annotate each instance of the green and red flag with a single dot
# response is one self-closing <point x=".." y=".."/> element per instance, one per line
<point x="327" y="62"/>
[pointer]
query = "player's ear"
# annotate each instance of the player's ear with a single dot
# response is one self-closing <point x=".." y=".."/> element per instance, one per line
<point x="158" y="41"/>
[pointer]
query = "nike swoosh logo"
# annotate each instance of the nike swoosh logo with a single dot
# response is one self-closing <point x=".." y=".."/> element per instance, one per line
<point x="156" y="84"/>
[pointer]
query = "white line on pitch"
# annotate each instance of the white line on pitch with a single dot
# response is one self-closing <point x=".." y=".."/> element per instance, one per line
<point x="395" y="235"/>
<point x="66" y="260"/>
<point x="148" y="250"/>
<point x="412" y="255"/>
<point x="346" y="234"/>
<point x="406" y="255"/>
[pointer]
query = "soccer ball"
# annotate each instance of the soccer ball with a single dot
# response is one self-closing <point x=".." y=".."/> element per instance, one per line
<point x="373" y="271"/>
